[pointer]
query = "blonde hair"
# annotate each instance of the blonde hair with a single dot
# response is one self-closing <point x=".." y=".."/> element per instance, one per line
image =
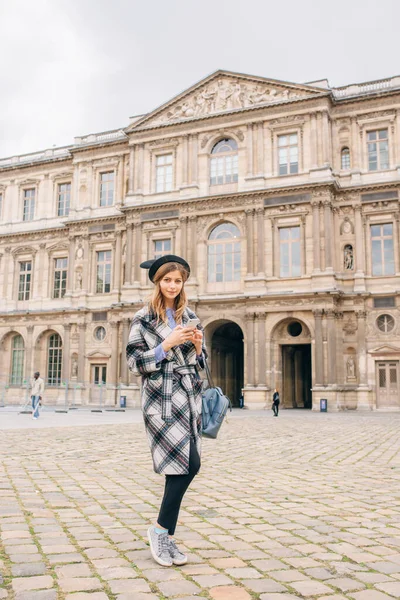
<point x="157" y="301"/>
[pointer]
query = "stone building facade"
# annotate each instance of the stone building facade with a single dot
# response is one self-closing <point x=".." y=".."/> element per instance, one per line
<point x="284" y="199"/>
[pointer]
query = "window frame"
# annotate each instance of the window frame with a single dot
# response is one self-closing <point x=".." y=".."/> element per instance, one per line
<point x="348" y="155"/>
<point x="156" y="240"/>
<point x="54" y="381"/>
<point x="13" y="380"/>
<point x="156" y="156"/>
<point x="378" y="142"/>
<point x="65" y="279"/>
<point x="27" y="289"/>
<point x="107" y="172"/>
<point x="381" y="224"/>
<point x="290" y="253"/>
<point x="105" y="273"/>
<point x="31" y="201"/>
<point x="225" y="284"/>
<point x="58" y="186"/>
<point x="222" y="157"/>
<point x="287" y="148"/>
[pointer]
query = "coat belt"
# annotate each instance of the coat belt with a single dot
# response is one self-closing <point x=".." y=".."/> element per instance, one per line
<point x="183" y="372"/>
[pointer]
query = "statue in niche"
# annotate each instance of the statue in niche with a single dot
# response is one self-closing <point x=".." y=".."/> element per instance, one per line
<point x="79" y="280"/>
<point x="348" y="258"/>
<point x="74" y="368"/>
<point x="351" y="368"/>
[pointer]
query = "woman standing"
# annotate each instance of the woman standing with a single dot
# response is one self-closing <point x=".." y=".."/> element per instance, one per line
<point x="166" y="347"/>
<point x="275" y="402"/>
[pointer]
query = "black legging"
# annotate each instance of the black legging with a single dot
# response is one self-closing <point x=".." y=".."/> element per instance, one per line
<point x="175" y="488"/>
<point x="275" y="408"/>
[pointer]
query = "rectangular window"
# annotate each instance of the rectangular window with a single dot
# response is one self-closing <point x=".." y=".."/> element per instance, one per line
<point x="60" y="277"/>
<point x="224" y="169"/>
<point x="25" y="280"/>
<point x="382" y="249"/>
<point x="64" y="198"/>
<point x="29" y="204"/>
<point x="107" y="188"/>
<point x="288" y="154"/>
<point x="161" y="247"/>
<point x="289" y="246"/>
<point x="378" y="150"/>
<point x="164" y="173"/>
<point x="103" y="282"/>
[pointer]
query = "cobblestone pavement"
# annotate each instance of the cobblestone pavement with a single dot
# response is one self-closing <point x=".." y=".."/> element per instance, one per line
<point x="303" y="506"/>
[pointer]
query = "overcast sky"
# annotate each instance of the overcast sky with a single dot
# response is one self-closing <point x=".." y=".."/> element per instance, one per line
<point x="72" y="67"/>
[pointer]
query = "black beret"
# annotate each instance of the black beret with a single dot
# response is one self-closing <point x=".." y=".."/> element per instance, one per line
<point x="154" y="264"/>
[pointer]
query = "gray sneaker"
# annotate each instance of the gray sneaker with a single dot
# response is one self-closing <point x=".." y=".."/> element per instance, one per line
<point x="178" y="558"/>
<point x="159" y="547"/>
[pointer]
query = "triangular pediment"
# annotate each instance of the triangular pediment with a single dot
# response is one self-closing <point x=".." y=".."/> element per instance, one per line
<point x="386" y="349"/>
<point x="97" y="354"/>
<point x="224" y="91"/>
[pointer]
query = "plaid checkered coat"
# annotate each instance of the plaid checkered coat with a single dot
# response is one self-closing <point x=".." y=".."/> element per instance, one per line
<point x="171" y="391"/>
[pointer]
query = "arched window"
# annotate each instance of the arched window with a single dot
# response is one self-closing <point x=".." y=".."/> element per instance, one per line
<point x="224" y="253"/>
<point x="54" y="360"/>
<point x="345" y="159"/>
<point x="17" y="360"/>
<point x="224" y="162"/>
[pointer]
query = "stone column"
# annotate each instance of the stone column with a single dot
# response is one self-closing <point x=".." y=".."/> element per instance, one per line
<point x="128" y="262"/>
<point x="249" y="229"/>
<point x="328" y="235"/>
<point x="28" y="354"/>
<point x="86" y="264"/>
<point x="313" y="141"/>
<point x="261" y="349"/>
<point x="40" y="270"/>
<point x="354" y="157"/>
<point x="114" y="355"/>
<point x="316" y="236"/>
<point x="81" y="357"/>
<point x="185" y="159"/>
<point x="261" y="241"/>
<point x="124" y="364"/>
<point x="331" y="338"/>
<point x="131" y="170"/>
<point x="325" y="139"/>
<point x="117" y="261"/>
<point x="120" y="192"/>
<point x="7" y="251"/>
<point x="183" y="222"/>
<point x="193" y="237"/>
<point x="140" y="169"/>
<point x="138" y="251"/>
<point x="194" y="160"/>
<point x="360" y="264"/>
<point x="249" y="150"/>
<point x="66" y="352"/>
<point x="319" y="138"/>
<point x="319" y="348"/>
<point x="71" y="265"/>
<point x="361" y="343"/>
<point x="250" y="349"/>
<point x="260" y="149"/>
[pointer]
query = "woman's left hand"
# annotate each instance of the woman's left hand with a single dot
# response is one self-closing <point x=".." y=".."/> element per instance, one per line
<point x="198" y="341"/>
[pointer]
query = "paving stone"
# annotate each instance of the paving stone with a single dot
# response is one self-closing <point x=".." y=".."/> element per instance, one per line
<point x="75" y="570"/>
<point x="392" y="588"/>
<point x="229" y="593"/>
<point x="79" y="584"/>
<point x="370" y="595"/>
<point x="174" y="588"/>
<point x="74" y="557"/>
<point x="244" y="573"/>
<point x="310" y="588"/>
<point x="263" y="585"/>
<point x="345" y="584"/>
<point x="37" y="595"/>
<point x="117" y="573"/>
<point x="87" y="596"/>
<point x="209" y="581"/>
<point x="28" y="570"/>
<point x="3" y="594"/>
<point x="124" y="586"/>
<point x="278" y="597"/>
<point x="40" y="582"/>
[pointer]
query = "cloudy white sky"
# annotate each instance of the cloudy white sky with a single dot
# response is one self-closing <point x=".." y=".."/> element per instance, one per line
<point x="72" y="67"/>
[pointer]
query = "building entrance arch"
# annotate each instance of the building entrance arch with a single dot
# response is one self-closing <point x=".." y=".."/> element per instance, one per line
<point x="225" y="347"/>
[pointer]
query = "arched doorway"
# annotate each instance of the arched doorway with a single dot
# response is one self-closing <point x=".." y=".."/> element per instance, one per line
<point x="292" y="342"/>
<point x="227" y="362"/>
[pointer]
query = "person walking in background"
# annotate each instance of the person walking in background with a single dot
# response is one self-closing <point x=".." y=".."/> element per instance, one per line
<point x="275" y="402"/>
<point x="37" y="389"/>
<point x="166" y="347"/>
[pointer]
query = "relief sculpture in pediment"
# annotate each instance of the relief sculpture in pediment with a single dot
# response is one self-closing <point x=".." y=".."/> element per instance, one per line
<point x="224" y="95"/>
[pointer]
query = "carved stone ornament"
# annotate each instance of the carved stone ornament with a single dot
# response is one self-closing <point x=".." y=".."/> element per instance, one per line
<point x="228" y="94"/>
<point x="350" y="326"/>
<point x="347" y="226"/>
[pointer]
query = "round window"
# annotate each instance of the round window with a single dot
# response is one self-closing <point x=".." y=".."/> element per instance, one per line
<point x="100" y="333"/>
<point x="385" y="323"/>
<point x="294" y="328"/>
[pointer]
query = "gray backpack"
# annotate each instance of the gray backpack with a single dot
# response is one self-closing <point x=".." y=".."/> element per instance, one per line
<point x="215" y="406"/>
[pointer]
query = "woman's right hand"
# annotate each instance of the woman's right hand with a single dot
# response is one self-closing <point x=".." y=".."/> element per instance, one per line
<point x="179" y="336"/>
